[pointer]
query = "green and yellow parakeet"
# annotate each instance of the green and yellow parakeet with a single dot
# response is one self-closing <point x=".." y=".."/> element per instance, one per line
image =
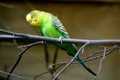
<point x="51" y="26"/>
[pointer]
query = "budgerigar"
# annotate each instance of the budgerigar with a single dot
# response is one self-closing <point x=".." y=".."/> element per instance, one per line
<point x="51" y="26"/>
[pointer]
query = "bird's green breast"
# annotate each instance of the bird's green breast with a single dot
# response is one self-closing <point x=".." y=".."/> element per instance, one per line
<point x="48" y="29"/>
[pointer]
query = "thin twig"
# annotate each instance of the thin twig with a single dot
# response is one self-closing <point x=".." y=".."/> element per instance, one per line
<point x="95" y="53"/>
<point x="47" y="60"/>
<point x="12" y="7"/>
<point x="40" y="75"/>
<point x="101" y="62"/>
<point x="6" y="5"/>
<point x="20" y="56"/>
<point x="119" y="50"/>
<point x="14" y="75"/>
<point x="55" y="59"/>
<point x="18" y="60"/>
<point x="32" y="44"/>
<point x="54" y="77"/>
<point x="51" y="67"/>
<point x="28" y="3"/>
<point x="97" y="57"/>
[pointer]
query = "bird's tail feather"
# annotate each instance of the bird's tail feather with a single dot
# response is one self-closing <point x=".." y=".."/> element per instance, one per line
<point x="85" y="66"/>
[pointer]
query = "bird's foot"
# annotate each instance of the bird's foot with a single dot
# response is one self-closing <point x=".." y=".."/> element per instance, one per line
<point x="60" y="39"/>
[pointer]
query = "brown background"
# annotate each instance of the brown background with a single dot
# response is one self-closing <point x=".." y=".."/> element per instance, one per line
<point x="83" y="20"/>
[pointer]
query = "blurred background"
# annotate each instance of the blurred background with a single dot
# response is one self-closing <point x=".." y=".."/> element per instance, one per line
<point x="96" y="19"/>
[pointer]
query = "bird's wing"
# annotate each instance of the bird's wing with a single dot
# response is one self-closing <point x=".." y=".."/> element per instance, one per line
<point x="59" y="26"/>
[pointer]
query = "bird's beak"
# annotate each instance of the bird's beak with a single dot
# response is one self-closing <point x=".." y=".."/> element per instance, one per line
<point x="28" y="18"/>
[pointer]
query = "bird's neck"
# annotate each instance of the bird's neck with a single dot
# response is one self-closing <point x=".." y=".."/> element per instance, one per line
<point x="45" y="22"/>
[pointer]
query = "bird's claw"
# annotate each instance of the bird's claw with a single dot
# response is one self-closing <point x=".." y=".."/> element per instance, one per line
<point x="60" y="39"/>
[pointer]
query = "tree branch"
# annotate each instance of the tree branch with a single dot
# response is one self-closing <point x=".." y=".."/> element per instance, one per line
<point x="32" y="38"/>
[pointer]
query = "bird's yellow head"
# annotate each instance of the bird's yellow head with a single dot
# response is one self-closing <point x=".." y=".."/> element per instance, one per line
<point x="35" y="18"/>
